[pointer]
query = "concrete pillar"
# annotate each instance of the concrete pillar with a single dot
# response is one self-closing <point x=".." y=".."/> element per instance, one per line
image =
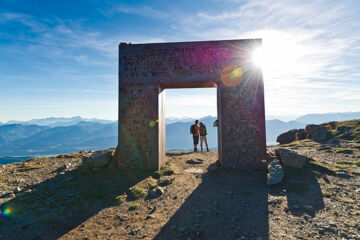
<point x="139" y="133"/>
<point x="242" y="120"/>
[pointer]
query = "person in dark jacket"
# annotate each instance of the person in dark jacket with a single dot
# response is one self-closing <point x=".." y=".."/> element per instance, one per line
<point x="203" y="134"/>
<point x="194" y="130"/>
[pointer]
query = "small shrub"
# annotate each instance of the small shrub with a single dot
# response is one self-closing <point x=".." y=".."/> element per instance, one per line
<point x="121" y="198"/>
<point x="326" y="194"/>
<point x="136" y="193"/>
<point x="134" y="206"/>
<point x="163" y="172"/>
<point x="357" y="163"/>
<point x="279" y="199"/>
<point x="153" y="185"/>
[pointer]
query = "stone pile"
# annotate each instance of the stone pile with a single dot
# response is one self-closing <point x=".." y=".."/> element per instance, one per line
<point x="276" y="173"/>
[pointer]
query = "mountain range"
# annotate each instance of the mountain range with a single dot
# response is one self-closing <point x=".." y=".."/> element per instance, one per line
<point x="57" y="121"/>
<point x="53" y="136"/>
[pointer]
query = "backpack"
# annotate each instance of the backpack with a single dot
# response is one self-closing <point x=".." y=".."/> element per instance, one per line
<point x="192" y="129"/>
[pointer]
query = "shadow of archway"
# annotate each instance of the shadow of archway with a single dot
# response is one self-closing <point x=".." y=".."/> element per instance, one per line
<point x="226" y="205"/>
<point x="57" y="205"/>
<point x="302" y="190"/>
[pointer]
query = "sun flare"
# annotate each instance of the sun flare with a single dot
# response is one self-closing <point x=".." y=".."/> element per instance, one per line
<point x="280" y="56"/>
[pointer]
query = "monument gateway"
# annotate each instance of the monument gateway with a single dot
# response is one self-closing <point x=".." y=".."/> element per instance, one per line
<point x="146" y="70"/>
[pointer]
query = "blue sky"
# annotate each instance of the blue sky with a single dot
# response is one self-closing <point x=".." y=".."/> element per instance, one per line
<point x="59" y="58"/>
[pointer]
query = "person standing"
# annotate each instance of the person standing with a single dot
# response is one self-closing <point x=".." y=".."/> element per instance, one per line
<point x="203" y="138"/>
<point x="194" y="130"/>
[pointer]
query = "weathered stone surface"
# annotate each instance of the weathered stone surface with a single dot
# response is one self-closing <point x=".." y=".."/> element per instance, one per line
<point x="318" y="133"/>
<point x="98" y="159"/>
<point x="155" y="192"/>
<point x="276" y="173"/>
<point x="291" y="158"/>
<point x="301" y="134"/>
<point x="166" y="180"/>
<point x="287" y="137"/>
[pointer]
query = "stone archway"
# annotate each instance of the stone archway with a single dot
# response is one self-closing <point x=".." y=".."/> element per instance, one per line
<point x="145" y="70"/>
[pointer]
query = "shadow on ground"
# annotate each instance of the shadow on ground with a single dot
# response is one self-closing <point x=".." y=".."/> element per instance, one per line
<point x="226" y="205"/>
<point x="302" y="190"/>
<point x="59" y="204"/>
<point x="175" y="154"/>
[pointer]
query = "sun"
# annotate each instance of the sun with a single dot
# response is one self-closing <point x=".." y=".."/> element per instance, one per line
<point x="280" y="57"/>
<point x="257" y="57"/>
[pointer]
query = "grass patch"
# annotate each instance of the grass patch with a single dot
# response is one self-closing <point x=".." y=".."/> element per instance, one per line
<point x="121" y="198"/>
<point x="153" y="185"/>
<point x="300" y="143"/>
<point x="344" y="200"/>
<point x="344" y="150"/>
<point x="344" y="162"/>
<point x="298" y="188"/>
<point x="134" y="206"/>
<point x="357" y="163"/>
<point x="342" y="166"/>
<point x="29" y="167"/>
<point x="356" y="145"/>
<point x="323" y="167"/>
<point x="136" y="193"/>
<point x="279" y="199"/>
<point x="327" y="194"/>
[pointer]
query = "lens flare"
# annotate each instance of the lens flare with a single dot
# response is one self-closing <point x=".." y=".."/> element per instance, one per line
<point x="231" y="75"/>
<point x="6" y="212"/>
<point x="152" y="123"/>
<point x="235" y="73"/>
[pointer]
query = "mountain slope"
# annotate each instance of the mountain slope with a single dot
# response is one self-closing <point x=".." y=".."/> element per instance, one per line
<point x="328" y="117"/>
<point x="11" y="132"/>
<point x="55" y="122"/>
<point x="65" y="139"/>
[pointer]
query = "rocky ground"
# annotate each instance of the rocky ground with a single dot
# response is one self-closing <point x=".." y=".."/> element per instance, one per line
<point x="51" y="198"/>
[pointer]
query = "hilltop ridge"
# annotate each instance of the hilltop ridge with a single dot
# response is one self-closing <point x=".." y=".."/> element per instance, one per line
<point x="60" y="197"/>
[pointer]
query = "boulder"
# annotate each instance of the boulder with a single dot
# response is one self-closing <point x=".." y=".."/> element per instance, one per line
<point x="165" y="181"/>
<point x="276" y="173"/>
<point x="98" y="159"/>
<point x="291" y="158"/>
<point x="155" y="192"/>
<point x="318" y="133"/>
<point x="195" y="161"/>
<point x="287" y="137"/>
<point x="301" y="134"/>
